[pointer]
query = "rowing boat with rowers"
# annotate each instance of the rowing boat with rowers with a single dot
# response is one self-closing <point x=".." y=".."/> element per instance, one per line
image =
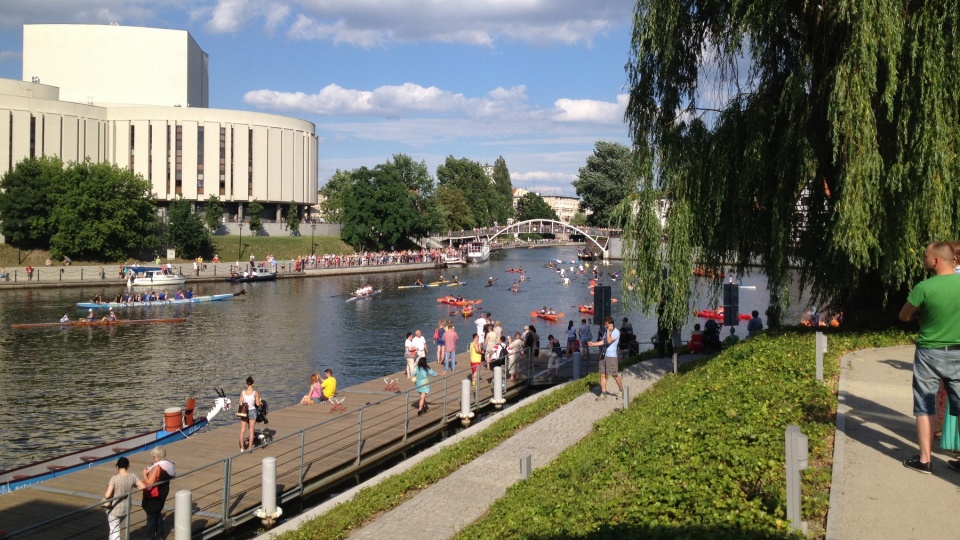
<point x="155" y="303"/>
<point x="365" y="295"/>
<point x="178" y="424"/>
<point x="174" y="320"/>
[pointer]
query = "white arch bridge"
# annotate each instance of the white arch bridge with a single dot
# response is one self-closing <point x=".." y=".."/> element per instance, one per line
<point x="596" y="238"/>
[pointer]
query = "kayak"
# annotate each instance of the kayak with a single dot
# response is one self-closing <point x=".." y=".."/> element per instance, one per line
<point x="456" y="283"/>
<point x="98" y="323"/>
<point x="171" y="302"/>
<point x="586" y="309"/>
<point x="466" y="312"/>
<point x="545" y="316"/>
<point x="418" y="286"/>
<point x="362" y="296"/>
<point x="451" y="301"/>
<point x="712" y="314"/>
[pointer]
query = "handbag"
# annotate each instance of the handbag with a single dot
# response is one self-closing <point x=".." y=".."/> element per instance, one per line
<point x="242" y="410"/>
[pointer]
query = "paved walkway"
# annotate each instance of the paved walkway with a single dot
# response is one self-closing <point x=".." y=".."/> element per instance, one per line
<point x="873" y="494"/>
<point x="448" y="506"/>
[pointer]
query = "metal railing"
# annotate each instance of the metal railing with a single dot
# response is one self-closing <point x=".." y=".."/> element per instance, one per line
<point x="226" y="492"/>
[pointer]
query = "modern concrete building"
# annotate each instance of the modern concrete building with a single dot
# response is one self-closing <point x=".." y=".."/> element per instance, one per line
<point x="137" y="98"/>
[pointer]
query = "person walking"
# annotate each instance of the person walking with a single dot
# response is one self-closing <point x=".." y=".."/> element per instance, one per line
<point x="609" y="362"/>
<point x="156" y="480"/>
<point x="423" y="374"/>
<point x="250" y="398"/>
<point x="937" y="356"/>
<point x="119" y="485"/>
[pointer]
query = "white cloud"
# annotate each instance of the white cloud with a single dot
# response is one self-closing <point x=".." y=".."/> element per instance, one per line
<point x="230" y="16"/>
<point x="590" y="110"/>
<point x="16" y="13"/>
<point x="405" y="100"/>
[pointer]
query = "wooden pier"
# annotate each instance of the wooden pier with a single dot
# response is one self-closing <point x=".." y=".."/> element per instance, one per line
<point x="315" y="446"/>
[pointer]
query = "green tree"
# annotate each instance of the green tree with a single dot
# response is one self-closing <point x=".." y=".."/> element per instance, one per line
<point x="503" y="210"/>
<point x="105" y="213"/>
<point x="186" y="232"/>
<point x="470" y="178"/>
<point x="293" y="219"/>
<point x="850" y="112"/>
<point x="28" y="195"/>
<point x="579" y="220"/>
<point x="255" y="209"/>
<point x="532" y="206"/>
<point x="213" y="213"/>
<point x="457" y="214"/>
<point x="605" y="181"/>
<point x="383" y="208"/>
<point x="333" y="191"/>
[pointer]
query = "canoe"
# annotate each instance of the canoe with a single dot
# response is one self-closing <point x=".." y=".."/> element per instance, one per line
<point x="177" y="428"/>
<point x="194" y="300"/>
<point x="545" y="316"/>
<point x="712" y="314"/>
<point x="468" y="312"/>
<point x="450" y="301"/>
<point x="98" y="323"/>
<point x="362" y="296"/>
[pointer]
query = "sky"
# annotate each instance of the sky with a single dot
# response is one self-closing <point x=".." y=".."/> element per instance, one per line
<point x="538" y="82"/>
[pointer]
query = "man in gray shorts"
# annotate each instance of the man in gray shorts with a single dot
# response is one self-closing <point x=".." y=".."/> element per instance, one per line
<point x="609" y="364"/>
<point x="938" y="347"/>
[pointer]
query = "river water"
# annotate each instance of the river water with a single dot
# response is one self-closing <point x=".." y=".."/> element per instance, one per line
<point x="67" y="389"/>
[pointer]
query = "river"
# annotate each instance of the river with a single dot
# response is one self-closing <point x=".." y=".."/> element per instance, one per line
<point x="66" y="389"/>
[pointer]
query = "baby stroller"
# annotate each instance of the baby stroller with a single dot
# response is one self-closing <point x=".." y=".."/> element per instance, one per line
<point x="711" y="337"/>
<point x="262" y="437"/>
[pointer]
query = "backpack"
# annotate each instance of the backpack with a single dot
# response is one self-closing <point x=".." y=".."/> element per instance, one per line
<point x="500" y="356"/>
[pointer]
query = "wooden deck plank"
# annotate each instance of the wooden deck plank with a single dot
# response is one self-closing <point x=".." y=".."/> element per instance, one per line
<point x="329" y="450"/>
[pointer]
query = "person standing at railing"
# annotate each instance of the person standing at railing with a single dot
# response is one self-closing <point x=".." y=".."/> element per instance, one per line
<point x="450" y="338"/>
<point x="120" y="485"/>
<point x="156" y="480"/>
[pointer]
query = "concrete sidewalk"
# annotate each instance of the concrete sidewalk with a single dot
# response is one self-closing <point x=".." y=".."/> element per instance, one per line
<point x="451" y="504"/>
<point x="873" y="495"/>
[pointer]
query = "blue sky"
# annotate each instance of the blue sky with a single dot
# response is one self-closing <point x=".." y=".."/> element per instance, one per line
<point x="535" y="81"/>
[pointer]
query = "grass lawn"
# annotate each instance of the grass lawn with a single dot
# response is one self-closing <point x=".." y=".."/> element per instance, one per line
<point x="228" y="247"/>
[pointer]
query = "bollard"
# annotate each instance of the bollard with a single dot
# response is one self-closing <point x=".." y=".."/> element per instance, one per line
<point x="498" y="384"/>
<point x="465" y="413"/>
<point x="183" y="515"/>
<point x="797" y="450"/>
<point x="526" y="464"/>
<point x="820" y="342"/>
<point x="626" y="396"/>
<point x="269" y="511"/>
<point x="576" y="365"/>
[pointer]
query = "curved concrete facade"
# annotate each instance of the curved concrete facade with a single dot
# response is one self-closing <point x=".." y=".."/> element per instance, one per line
<point x="192" y="152"/>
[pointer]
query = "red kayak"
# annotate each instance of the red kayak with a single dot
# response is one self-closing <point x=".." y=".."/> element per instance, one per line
<point x="718" y="315"/>
<point x="546" y="316"/>
<point x="586" y="309"/>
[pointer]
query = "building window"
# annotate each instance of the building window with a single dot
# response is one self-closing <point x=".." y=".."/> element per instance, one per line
<point x="178" y="170"/>
<point x="249" y="163"/>
<point x="200" y="160"/>
<point x="132" y="146"/>
<point x="223" y="161"/>
<point x="33" y="136"/>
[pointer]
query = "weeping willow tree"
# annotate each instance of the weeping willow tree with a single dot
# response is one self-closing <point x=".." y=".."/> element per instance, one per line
<point x="815" y="135"/>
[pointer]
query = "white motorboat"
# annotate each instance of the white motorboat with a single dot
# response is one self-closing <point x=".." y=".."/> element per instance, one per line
<point x="152" y="276"/>
<point x="478" y="252"/>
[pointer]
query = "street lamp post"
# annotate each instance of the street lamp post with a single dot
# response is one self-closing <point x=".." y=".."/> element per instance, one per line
<point x="313" y="246"/>
<point x="240" y="243"/>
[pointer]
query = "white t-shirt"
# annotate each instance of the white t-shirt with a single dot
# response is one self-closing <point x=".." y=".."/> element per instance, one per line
<point x="481" y="322"/>
<point x="421" y="344"/>
<point x="407" y="345"/>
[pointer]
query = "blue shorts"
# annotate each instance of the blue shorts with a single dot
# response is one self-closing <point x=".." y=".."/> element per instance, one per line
<point x="930" y="366"/>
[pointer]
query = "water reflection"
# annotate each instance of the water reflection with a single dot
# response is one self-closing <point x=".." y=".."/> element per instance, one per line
<point x="70" y="388"/>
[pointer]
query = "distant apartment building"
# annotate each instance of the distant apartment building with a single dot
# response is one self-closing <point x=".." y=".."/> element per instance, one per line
<point x="138" y="98"/>
<point x="565" y="207"/>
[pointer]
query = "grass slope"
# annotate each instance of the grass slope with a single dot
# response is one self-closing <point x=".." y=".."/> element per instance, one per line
<point x="699" y="455"/>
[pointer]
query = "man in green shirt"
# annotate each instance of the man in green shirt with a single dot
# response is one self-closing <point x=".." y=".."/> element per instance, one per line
<point x="937" y="356"/>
